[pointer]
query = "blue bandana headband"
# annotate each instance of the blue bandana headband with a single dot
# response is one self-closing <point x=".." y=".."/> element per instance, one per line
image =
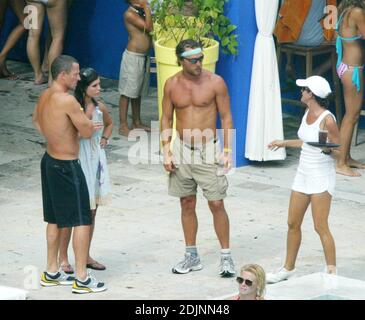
<point x="190" y="53"/>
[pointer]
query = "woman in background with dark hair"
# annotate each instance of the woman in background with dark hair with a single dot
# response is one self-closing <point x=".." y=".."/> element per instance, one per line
<point x="17" y="6"/>
<point x="92" y="158"/>
<point x="315" y="179"/>
<point x="350" y="67"/>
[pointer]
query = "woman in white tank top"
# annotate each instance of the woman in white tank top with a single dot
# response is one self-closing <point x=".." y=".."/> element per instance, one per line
<point x="314" y="182"/>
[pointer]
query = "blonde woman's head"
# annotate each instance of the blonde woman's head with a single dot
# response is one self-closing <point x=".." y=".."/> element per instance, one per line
<point x="252" y="279"/>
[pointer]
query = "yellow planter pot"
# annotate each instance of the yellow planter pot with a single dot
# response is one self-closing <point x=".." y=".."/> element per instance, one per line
<point x="167" y="66"/>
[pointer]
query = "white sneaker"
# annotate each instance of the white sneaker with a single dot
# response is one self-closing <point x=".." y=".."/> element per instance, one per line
<point x="226" y="267"/>
<point x="280" y="275"/>
<point x="189" y="263"/>
<point x="90" y="285"/>
<point x="60" y="278"/>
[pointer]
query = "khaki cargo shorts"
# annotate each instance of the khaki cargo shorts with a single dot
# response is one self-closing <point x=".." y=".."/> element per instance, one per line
<point x="134" y="78"/>
<point x="197" y="167"/>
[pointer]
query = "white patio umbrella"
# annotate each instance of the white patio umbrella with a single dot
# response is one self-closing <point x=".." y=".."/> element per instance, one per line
<point x="264" y="122"/>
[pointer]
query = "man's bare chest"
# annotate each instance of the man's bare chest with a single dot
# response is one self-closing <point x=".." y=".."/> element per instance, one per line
<point x="200" y="96"/>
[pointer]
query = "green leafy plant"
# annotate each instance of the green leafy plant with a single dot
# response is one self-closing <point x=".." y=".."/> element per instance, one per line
<point x="205" y="20"/>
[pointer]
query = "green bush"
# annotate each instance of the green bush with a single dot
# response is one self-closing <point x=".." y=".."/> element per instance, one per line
<point x="207" y="20"/>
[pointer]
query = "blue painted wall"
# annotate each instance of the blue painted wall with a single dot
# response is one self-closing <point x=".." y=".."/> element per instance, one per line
<point x="236" y="70"/>
<point x="96" y="35"/>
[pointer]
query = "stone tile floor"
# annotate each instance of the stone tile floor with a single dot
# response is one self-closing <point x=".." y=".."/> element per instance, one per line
<point x="138" y="234"/>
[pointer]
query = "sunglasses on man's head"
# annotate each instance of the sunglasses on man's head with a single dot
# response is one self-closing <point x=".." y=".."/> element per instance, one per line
<point x="247" y="282"/>
<point x="195" y="60"/>
<point x="306" y="89"/>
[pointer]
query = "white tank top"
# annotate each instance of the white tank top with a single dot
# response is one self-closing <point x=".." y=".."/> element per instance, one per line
<point x="312" y="160"/>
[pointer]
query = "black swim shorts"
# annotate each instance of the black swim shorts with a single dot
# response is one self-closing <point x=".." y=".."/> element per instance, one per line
<point x="65" y="193"/>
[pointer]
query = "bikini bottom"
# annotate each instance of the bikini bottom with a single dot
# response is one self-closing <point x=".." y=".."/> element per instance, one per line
<point x="343" y="67"/>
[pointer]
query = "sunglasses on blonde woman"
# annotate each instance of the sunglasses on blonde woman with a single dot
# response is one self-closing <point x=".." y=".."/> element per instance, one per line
<point x="247" y="282"/>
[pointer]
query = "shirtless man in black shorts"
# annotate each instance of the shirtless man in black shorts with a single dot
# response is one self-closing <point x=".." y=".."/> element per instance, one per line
<point x="59" y="118"/>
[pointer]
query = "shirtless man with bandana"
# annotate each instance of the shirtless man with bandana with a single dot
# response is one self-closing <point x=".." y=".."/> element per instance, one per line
<point x="197" y="96"/>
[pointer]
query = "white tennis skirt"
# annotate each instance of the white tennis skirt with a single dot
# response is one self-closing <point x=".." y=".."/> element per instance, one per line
<point x="309" y="183"/>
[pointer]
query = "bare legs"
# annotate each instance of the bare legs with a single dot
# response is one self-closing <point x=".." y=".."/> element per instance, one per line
<point x="53" y="243"/>
<point x="190" y="222"/>
<point x="14" y="36"/>
<point x="123" y="114"/>
<point x="320" y="204"/>
<point x="297" y="207"/>
<point x="221" y="222"/>
<point x="33" y="49"/>
<point x="90" y="260"/>
<point x="353" y="103"/>
<point x="136" y="115"/>
<point x="80" y="242"/>
<point x="80" y="245"/>
<point x="45" y="64"/>
<point x="57" y="17"/>
<point x="65" y="240"/>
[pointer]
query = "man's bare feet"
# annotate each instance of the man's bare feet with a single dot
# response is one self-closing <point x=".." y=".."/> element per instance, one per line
<point x="142" y="126"/>
<point x="124" y="131"/>
<point x="355" y="164"/>
<point x="41" y="80"/>
<point x="347" y="171"/>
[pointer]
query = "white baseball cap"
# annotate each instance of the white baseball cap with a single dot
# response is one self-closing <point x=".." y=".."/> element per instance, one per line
<point x="318" y="85"/>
